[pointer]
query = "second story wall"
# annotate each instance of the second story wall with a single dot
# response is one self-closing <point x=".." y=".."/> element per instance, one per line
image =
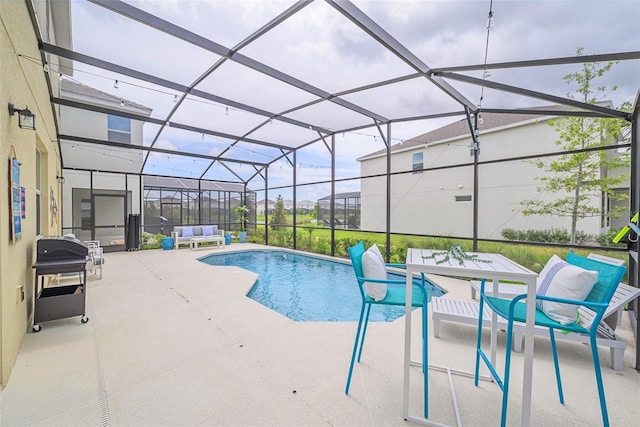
<point x="440" y="201"/>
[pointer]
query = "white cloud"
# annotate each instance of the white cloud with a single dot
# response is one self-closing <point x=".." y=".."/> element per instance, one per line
<point x="325" y="49"/>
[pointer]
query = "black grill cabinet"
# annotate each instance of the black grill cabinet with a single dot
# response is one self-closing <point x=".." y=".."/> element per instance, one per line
<point x="58" y="255"/>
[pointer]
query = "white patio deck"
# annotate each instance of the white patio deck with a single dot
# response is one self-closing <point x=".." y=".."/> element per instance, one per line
<point x="174" y="342"/>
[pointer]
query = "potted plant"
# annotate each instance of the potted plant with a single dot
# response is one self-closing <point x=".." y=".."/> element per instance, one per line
<point x="242" y="212"/>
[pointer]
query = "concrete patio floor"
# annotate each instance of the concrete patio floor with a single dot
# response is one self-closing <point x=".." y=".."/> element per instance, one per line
<point x="172" y="341"/>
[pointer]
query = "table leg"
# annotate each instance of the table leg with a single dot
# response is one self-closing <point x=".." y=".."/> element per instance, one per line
<point x="527" y="378"/>
<point x="494" y="326"/>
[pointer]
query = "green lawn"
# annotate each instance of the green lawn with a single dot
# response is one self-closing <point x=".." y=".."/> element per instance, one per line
<point x="318" y="240"/>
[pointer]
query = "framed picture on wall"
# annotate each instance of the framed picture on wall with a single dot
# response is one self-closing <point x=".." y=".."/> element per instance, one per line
<point x="15" y="194"/>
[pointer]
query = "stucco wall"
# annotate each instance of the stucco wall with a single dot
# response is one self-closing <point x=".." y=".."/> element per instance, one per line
<point x="425" y="203"/>
<point x="93" y="125"/>
<point x="23" y="83"/>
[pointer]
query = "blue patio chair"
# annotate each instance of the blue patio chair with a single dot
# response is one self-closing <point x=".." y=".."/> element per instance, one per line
<point x="396" y="295"/>
<point x="514" y="310"/>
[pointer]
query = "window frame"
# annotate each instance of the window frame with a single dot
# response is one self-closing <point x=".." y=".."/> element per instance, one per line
<point x="417" y="166"/>
<point x="117" y="133"/>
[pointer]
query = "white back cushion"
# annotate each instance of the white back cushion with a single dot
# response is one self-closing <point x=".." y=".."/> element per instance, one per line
<point x="373" y="268"/>
<point x="562" y="280"/>
<point x="187" y="231"/>
<point x="375" y="249"/>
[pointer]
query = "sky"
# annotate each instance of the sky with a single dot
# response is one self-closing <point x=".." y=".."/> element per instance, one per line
<point x="323" y="48"/>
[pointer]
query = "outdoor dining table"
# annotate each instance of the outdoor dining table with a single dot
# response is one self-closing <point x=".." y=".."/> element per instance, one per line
<point x="477" y="265"/>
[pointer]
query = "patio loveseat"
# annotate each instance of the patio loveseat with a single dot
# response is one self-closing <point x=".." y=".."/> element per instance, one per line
<point x="187" y="234"/>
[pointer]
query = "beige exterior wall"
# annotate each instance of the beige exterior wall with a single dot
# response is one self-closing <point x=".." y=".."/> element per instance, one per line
<point x="425" y="203"/>
<point x="23" y="83"/>
<point x="90" y="124"/>
<point x="78" y="183"/>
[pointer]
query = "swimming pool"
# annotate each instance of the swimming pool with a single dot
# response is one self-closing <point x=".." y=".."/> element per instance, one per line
<point x="306" y="288"/>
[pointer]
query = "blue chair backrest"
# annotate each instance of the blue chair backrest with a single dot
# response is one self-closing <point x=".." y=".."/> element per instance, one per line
<point x="355" y="253"/>
<point x="609" y="276"/>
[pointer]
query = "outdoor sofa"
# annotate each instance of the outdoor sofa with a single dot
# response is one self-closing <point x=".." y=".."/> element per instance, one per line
<point x="185" y="234"/>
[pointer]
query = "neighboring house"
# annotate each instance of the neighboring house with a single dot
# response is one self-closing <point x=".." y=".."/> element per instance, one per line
<point x="171" y="201"/>
<point x="96" y="208"/>
<point x="304" y="206"/>
<point x="346" y="210"/>
<point x="440" y="201"/>
<point x="271" y="206"/>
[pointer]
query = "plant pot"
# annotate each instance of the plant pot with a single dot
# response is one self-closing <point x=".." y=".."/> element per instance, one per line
<point x="242" y="236"/>
<point x="167" y="243"/>
<point x="227" y="239"/>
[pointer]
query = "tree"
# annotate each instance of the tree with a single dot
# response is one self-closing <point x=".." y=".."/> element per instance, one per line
<point x="278" y="219"/>
<point x="582" y="176"/>
<point x="243" y="213"/>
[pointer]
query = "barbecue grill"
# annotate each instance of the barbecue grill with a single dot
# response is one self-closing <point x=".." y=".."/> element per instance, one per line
<point x="59" y="255"/>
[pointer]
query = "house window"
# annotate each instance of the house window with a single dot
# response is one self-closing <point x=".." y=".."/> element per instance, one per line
<point x="466" y="198"/>
<point x="119" y="129"/>
<point x="416" y="163"/>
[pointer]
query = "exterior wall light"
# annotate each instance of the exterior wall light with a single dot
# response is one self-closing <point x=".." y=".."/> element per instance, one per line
<point x="60" y="179"/>
<point x="26" y="119"/>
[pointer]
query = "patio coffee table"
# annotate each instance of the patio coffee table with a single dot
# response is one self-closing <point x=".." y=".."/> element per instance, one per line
<point x="194" y="241"/>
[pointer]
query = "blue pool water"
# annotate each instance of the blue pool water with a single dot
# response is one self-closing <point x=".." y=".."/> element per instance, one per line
<point x="306" y="288"/>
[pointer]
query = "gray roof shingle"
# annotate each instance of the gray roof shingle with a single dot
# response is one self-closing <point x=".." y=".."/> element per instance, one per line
<point x="84" y="90"/>
<point x="461" y="127"/>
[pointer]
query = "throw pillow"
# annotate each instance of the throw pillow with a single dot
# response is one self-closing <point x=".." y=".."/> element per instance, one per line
<point x="187" y="231"/>
<point x="375" y="249"/>
<point x="207" y="230"/>
<point x="373" y="268"/>
<point x="562" y="280"/>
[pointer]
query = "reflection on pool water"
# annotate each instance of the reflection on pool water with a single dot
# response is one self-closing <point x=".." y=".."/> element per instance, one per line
<point x="307" y="288"/>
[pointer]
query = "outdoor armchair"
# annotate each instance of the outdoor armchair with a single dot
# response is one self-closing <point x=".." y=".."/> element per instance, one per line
<point x="95" y="256"/>
<point x="394" y="294"/>
<point x="576" y="269"/>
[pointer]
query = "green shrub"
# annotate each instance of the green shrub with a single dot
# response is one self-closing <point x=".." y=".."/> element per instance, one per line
<point x="553" y="235"/>
<point x="606" y="239"/>
<point x="318" y="240"/>
<point x="152" y="241"/>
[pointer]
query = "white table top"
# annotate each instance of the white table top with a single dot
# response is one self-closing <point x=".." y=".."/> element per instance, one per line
<point x="487" y="265"/>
